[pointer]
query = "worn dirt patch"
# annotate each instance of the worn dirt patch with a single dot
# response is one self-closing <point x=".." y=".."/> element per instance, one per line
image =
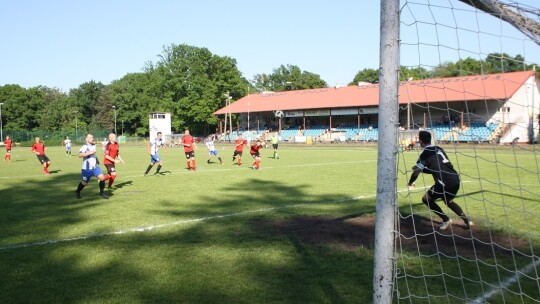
<point x="416" y="234"/>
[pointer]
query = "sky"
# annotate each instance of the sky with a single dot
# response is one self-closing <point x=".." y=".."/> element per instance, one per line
<point x="64" y="43"/>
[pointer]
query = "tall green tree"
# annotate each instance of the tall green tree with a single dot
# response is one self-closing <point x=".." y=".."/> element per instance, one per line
<point x="86" y="98"/>
<point x="288" y="78"/>
<point x="192" y="84"/>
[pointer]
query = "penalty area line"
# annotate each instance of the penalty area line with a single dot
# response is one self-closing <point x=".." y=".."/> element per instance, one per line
<point x="170" y="224"/>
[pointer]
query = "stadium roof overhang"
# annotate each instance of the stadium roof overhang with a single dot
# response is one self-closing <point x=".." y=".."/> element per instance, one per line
<point x="469" y="88"/>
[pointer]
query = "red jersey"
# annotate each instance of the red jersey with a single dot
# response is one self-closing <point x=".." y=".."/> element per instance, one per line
<point x="254" y="149"/>
<point x="188" y="140"/>
<point x="112" y="150"/>
<point x="8" y="144"/>
<point x="39" y="148"/>
<point x="240" y="143"/>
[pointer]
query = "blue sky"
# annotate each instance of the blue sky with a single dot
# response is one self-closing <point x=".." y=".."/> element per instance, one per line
<point x="62" y="44"/>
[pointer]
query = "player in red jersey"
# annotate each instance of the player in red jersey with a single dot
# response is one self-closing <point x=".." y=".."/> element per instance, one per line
<point x="189" y="144"/>
<point x="8" y="143"/>
<point x="254" y="151"/>
<point x="39" y="149"/>
<point x="112" y="156"/>
<point x="239" y="149"/>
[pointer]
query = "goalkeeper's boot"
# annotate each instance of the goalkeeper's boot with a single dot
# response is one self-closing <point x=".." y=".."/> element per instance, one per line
<point x="445" y="225"/>
<point x="468" y="223"/>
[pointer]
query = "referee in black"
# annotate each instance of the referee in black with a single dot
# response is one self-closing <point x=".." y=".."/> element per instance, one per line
<point x="433" y="160"/>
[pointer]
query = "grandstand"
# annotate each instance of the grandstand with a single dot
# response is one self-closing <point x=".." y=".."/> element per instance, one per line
<point x="483" y="108"/>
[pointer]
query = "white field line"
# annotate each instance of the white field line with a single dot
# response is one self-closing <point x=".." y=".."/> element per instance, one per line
<point x="179" y="222"/>
<point x="506" y="283"/>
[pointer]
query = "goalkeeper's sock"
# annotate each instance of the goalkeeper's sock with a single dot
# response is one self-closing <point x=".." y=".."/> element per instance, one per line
<point x="158" y="168"/>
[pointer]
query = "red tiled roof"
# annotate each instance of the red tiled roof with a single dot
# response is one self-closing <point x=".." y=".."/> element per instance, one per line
<point x="481" y="87"/>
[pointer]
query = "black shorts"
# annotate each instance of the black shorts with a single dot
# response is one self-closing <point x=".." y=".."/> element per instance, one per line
<point x="447" y="194"/>
<point x="255" y="154"/>
<point x="275" y="146"/>
<point x="237" y="153"/>
<point x="110" y="168"/>
<point x="8" y="150"/>
<point x="190" y="155"/>
<point x="43" y="158"/>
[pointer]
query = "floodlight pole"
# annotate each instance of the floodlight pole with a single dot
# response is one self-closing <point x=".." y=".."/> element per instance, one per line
<point x="76" y="127"/>
<point x="114" y="107"/>
<point x="1" y="123"/>
<point x="386" y="200"/>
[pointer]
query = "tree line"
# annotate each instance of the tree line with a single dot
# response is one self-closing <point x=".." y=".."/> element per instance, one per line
<point x="191" y="83"/>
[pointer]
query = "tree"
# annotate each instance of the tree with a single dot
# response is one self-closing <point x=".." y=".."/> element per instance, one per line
<point x="288" y="78"/>
<point x="366" y="75"/>
<point x="191" y="83"/>
<point x="86" y="98"/>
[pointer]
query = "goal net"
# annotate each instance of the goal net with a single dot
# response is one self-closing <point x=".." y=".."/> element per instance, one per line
<point x="468" y="75"/>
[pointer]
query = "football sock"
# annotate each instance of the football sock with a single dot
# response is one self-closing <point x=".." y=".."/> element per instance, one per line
<point x="208" y="161"/>
<point x="258" y="164"/>
<point x="148" y="169"/>
<point x="107" y="177"/>
<point x="101" y="186"/>
<point x="111" y="180"/>
<point x="456" y="208"/>
<point x="158" y="168"/>
<point x="233" y="158"/>
<point x="80" y="187"/>
<point x="220" y="161"/>
<point x="194" y="164"/>
<point x="188" y="164"/>
<point x="436" y="209"/>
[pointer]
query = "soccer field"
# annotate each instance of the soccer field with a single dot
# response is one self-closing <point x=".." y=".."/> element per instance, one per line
<point x="297" y="231"/>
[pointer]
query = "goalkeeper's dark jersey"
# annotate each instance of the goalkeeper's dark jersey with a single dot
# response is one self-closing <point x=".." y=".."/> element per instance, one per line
<point x="433" y="160"/>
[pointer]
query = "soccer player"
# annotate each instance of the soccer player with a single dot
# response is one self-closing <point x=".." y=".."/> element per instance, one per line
<point x="254" y="151"/>
<point x="90" y="167"/>
<point x="275" y="143"/>
<point x="67" y="143"/>
<point x="189" y="144"/>
<point x="38" y="148"/>
<point x="112" y="156"/>
<point x="212" y="151"/>
<point x="239" y="149"/>
<point x="433" y="160"/>
<point x="8" y="143"/>
<point x="152" y="148"/>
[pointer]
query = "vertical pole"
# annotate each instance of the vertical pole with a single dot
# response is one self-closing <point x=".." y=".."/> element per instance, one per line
<point x="1" y="123"/>
<point x="386" y="164"/>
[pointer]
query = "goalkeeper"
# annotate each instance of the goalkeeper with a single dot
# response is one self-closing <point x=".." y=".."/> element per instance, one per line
<point x="433" y="160"/>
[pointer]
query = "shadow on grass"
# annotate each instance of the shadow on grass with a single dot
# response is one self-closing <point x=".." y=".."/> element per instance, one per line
<point x="233" y="259"/>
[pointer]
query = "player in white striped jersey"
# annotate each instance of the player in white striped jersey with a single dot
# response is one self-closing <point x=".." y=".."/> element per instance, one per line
<point x="153" y="148"/>
<point x="212" y="151"/>
<point x="90" y="167"/>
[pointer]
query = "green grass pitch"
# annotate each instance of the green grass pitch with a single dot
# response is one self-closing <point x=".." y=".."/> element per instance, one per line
<point x="226" y="234"/>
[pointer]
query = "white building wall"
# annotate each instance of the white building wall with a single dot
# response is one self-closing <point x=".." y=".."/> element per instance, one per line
<point x="521" y="112"/>
<point x="160" y="122"/>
